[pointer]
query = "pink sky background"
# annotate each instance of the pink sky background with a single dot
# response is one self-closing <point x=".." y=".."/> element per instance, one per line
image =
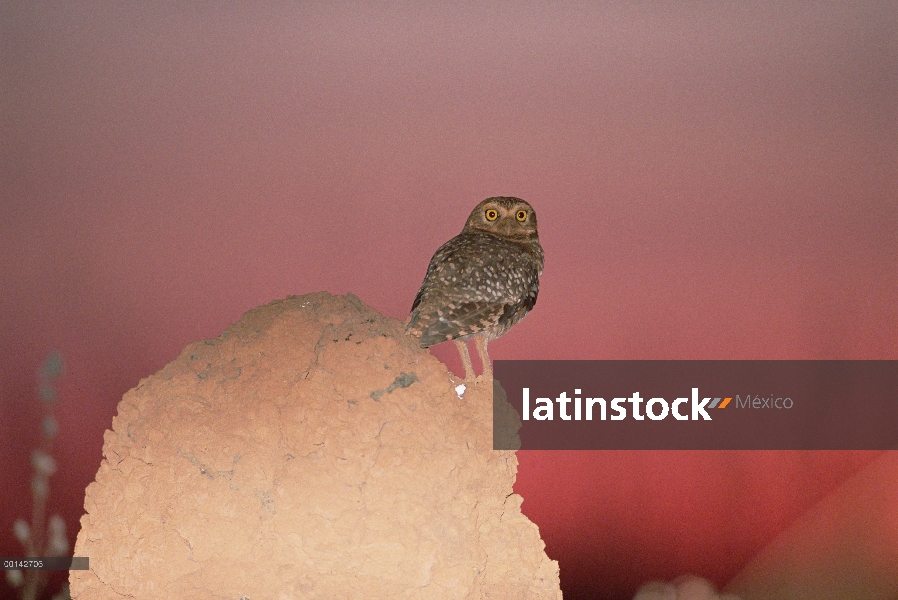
<point x="712" y="180"/>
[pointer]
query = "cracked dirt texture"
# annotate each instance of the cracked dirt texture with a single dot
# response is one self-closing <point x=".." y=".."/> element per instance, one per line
<point x="310" y="451"/>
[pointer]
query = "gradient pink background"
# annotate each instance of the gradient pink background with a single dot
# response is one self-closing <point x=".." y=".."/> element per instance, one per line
<point x="711" y="182"/>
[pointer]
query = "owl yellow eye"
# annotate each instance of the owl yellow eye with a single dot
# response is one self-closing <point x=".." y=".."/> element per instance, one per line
<point x="492" y="214"/>
<point x="521" y="215"/>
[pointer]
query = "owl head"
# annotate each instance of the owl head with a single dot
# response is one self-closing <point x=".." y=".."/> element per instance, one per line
<point x="507" y="217"/>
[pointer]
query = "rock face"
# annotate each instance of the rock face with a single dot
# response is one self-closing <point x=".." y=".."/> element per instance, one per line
<point x="310" y="451"/>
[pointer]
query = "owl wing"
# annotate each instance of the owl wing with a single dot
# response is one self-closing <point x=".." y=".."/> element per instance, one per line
<point x="473" y="283"/>
<point x="449" y="323"/>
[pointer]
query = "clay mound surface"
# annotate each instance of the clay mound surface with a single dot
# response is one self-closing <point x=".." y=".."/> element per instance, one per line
<point x="310" y="451"/>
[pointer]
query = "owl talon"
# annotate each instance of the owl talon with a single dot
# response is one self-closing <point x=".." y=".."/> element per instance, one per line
<point x="484" y="378"/>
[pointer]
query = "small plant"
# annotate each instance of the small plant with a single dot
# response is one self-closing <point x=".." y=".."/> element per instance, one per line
<point x="42" y="537"/>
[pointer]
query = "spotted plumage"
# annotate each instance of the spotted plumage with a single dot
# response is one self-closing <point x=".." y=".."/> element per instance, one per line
<point x="482" y="281"/>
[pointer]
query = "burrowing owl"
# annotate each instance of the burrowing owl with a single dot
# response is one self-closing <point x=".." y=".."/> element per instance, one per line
<point x="482" y="281"/>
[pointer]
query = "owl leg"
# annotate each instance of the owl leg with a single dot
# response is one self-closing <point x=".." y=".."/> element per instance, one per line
<point x="466" y="360"/>
<point x="481" y="342"/>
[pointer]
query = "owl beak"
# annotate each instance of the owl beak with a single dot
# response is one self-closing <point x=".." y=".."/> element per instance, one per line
<point x="508" y="228"/>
